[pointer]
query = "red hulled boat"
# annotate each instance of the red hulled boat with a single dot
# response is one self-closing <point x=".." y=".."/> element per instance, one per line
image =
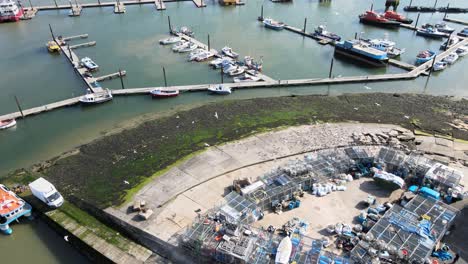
<point x="9" y="11"/>
<point x="392" y="15"/>
<point x="372" y="18"/>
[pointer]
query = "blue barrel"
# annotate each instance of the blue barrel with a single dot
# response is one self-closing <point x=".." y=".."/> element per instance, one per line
<point x="291" y="205"/>
<point x="298" y="203"/>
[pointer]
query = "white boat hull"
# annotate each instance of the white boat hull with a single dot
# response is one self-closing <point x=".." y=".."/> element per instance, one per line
<point x="283" y="252"/>
<point x="10" y="124"/>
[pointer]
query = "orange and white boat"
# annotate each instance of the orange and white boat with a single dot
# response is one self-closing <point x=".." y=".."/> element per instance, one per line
<point x="11" y="208"/>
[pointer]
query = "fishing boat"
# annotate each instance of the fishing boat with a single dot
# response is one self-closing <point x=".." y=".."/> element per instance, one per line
<point x="9" y="11"/>
<point x="12" y="207"/>
<point x="171" y="40"/>
<point x="238" y="71"/>
<point x="425" y="56"/>
<point x="190" y="47"/>
<point x="270" y="23"/>
<point x="180" y="45"/>
<point x="431" y="32"/>
<point x="392" y="15"/>
<point x="449" y="42"/>
<point x="372" y="18"/>
<point x="228" y="52"/>
<point x="463" y="33"/>
<point x="194" y="54"/>
<point x="220" y="89"/>
<point x="246" y="78"/>
<point x="451" y="58"/>
<point x="386" y="46"/>
<point x="7" y="123"/>
<point x="53" y="47"/>
<point x="96" y="98"/>
<point x="89" y="64"/>
<point x="321" y="32"/>
<point x="158" y="93"/>
<point x="283" y="253"/>
<point x="462" y="51"/>
<point x="439" y="66"/>
<point x="361" y="51"/>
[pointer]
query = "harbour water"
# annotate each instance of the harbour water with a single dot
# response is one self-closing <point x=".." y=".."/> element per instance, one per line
<point x="130" y="41"/>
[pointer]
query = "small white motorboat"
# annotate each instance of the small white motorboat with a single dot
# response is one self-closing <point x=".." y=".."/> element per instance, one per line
<point x="246" y="78"/>
<point x="237" y="71"/>
<point x="462" y="51"/>
<point x="228" y="52"/>
<point x="158" y="93"/>
<point x="194" y="54"/>
<point x="450" y="42"/>
<point x="283" y="253"/>
<point x="89" y="64"/>
<point x="190" y="47"/>
<point x="451" y="58"/>
<point x="171" y="40"/>
<point x="7" y="123"/>
<point x="180" y="45"/>
<point x="220" y="89"/>
<point x="96" y="98"/>
<point x="218" y="63"/>
<point x="439" y="66"/>
<point x="228" y="68"/>
<point x="204" y="56"/>
<point x="270" y="23"/>
<point x="186" y="31"/>
<point x="443" y="27"/>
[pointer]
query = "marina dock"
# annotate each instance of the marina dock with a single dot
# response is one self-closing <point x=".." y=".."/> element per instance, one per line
<point x="267" y="83"/>
<point x="119" y="8"/>
<point x="458" y="21"/>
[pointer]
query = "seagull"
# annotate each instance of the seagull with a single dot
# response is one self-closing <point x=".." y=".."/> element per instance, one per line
<point x="355" y="108"/>
<point x="207" y="145"/>
<point x="66" y="238"/>
<point x="126" y="182"/>
<point x="377" y="104"/>
<point x="193" y="122"/>
<point x="177" y="117"/>
<point x="407" y="117"/>
<point x="367" y="87"/>
<point x="216" y="115"/>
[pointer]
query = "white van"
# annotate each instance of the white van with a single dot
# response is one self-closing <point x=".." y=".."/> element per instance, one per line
<point x="46" y="192"/>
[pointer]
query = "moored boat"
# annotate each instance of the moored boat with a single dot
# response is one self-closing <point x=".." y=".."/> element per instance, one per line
<point x="270" y="23"/>
<point x="186" y="31"/>
<point x="462" y="51"/>
<point x="180" y="45"/>
<point x="228" y="52"/>
<point x="220" y="62"/>
<point x="220" y="89"/>
<point x="158" y="93"/>
<point x="392" y="15"/>
<point x="372" y="18"/>
<point x="238" y="71"/>
<point x="386" y="46"/>
<point x="443" y="27"/>
<point x="171" y="40"/>
<point x="439" y="66"/>
<point x="463" y="33"/>
<point x="246" y="78"/>
<point x="12" y="208"/>
<point x="7" y="123"/>
<point x="361" y="51"/>
<point x="431" y="32"/>
<point x="449" y="42"/>
<point x="321" y="31"/>
<point x="9" y="11"/>
<point x="53" y="47"/>
<point x="252" y="64"/>
<point x="228" y="68"/>
<point x="89" y="64"/>
<point x="190" y="47"/>
<point x="451" y="58"/>
<point x="425" y="56"/>
<point x="96" y="98"/>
